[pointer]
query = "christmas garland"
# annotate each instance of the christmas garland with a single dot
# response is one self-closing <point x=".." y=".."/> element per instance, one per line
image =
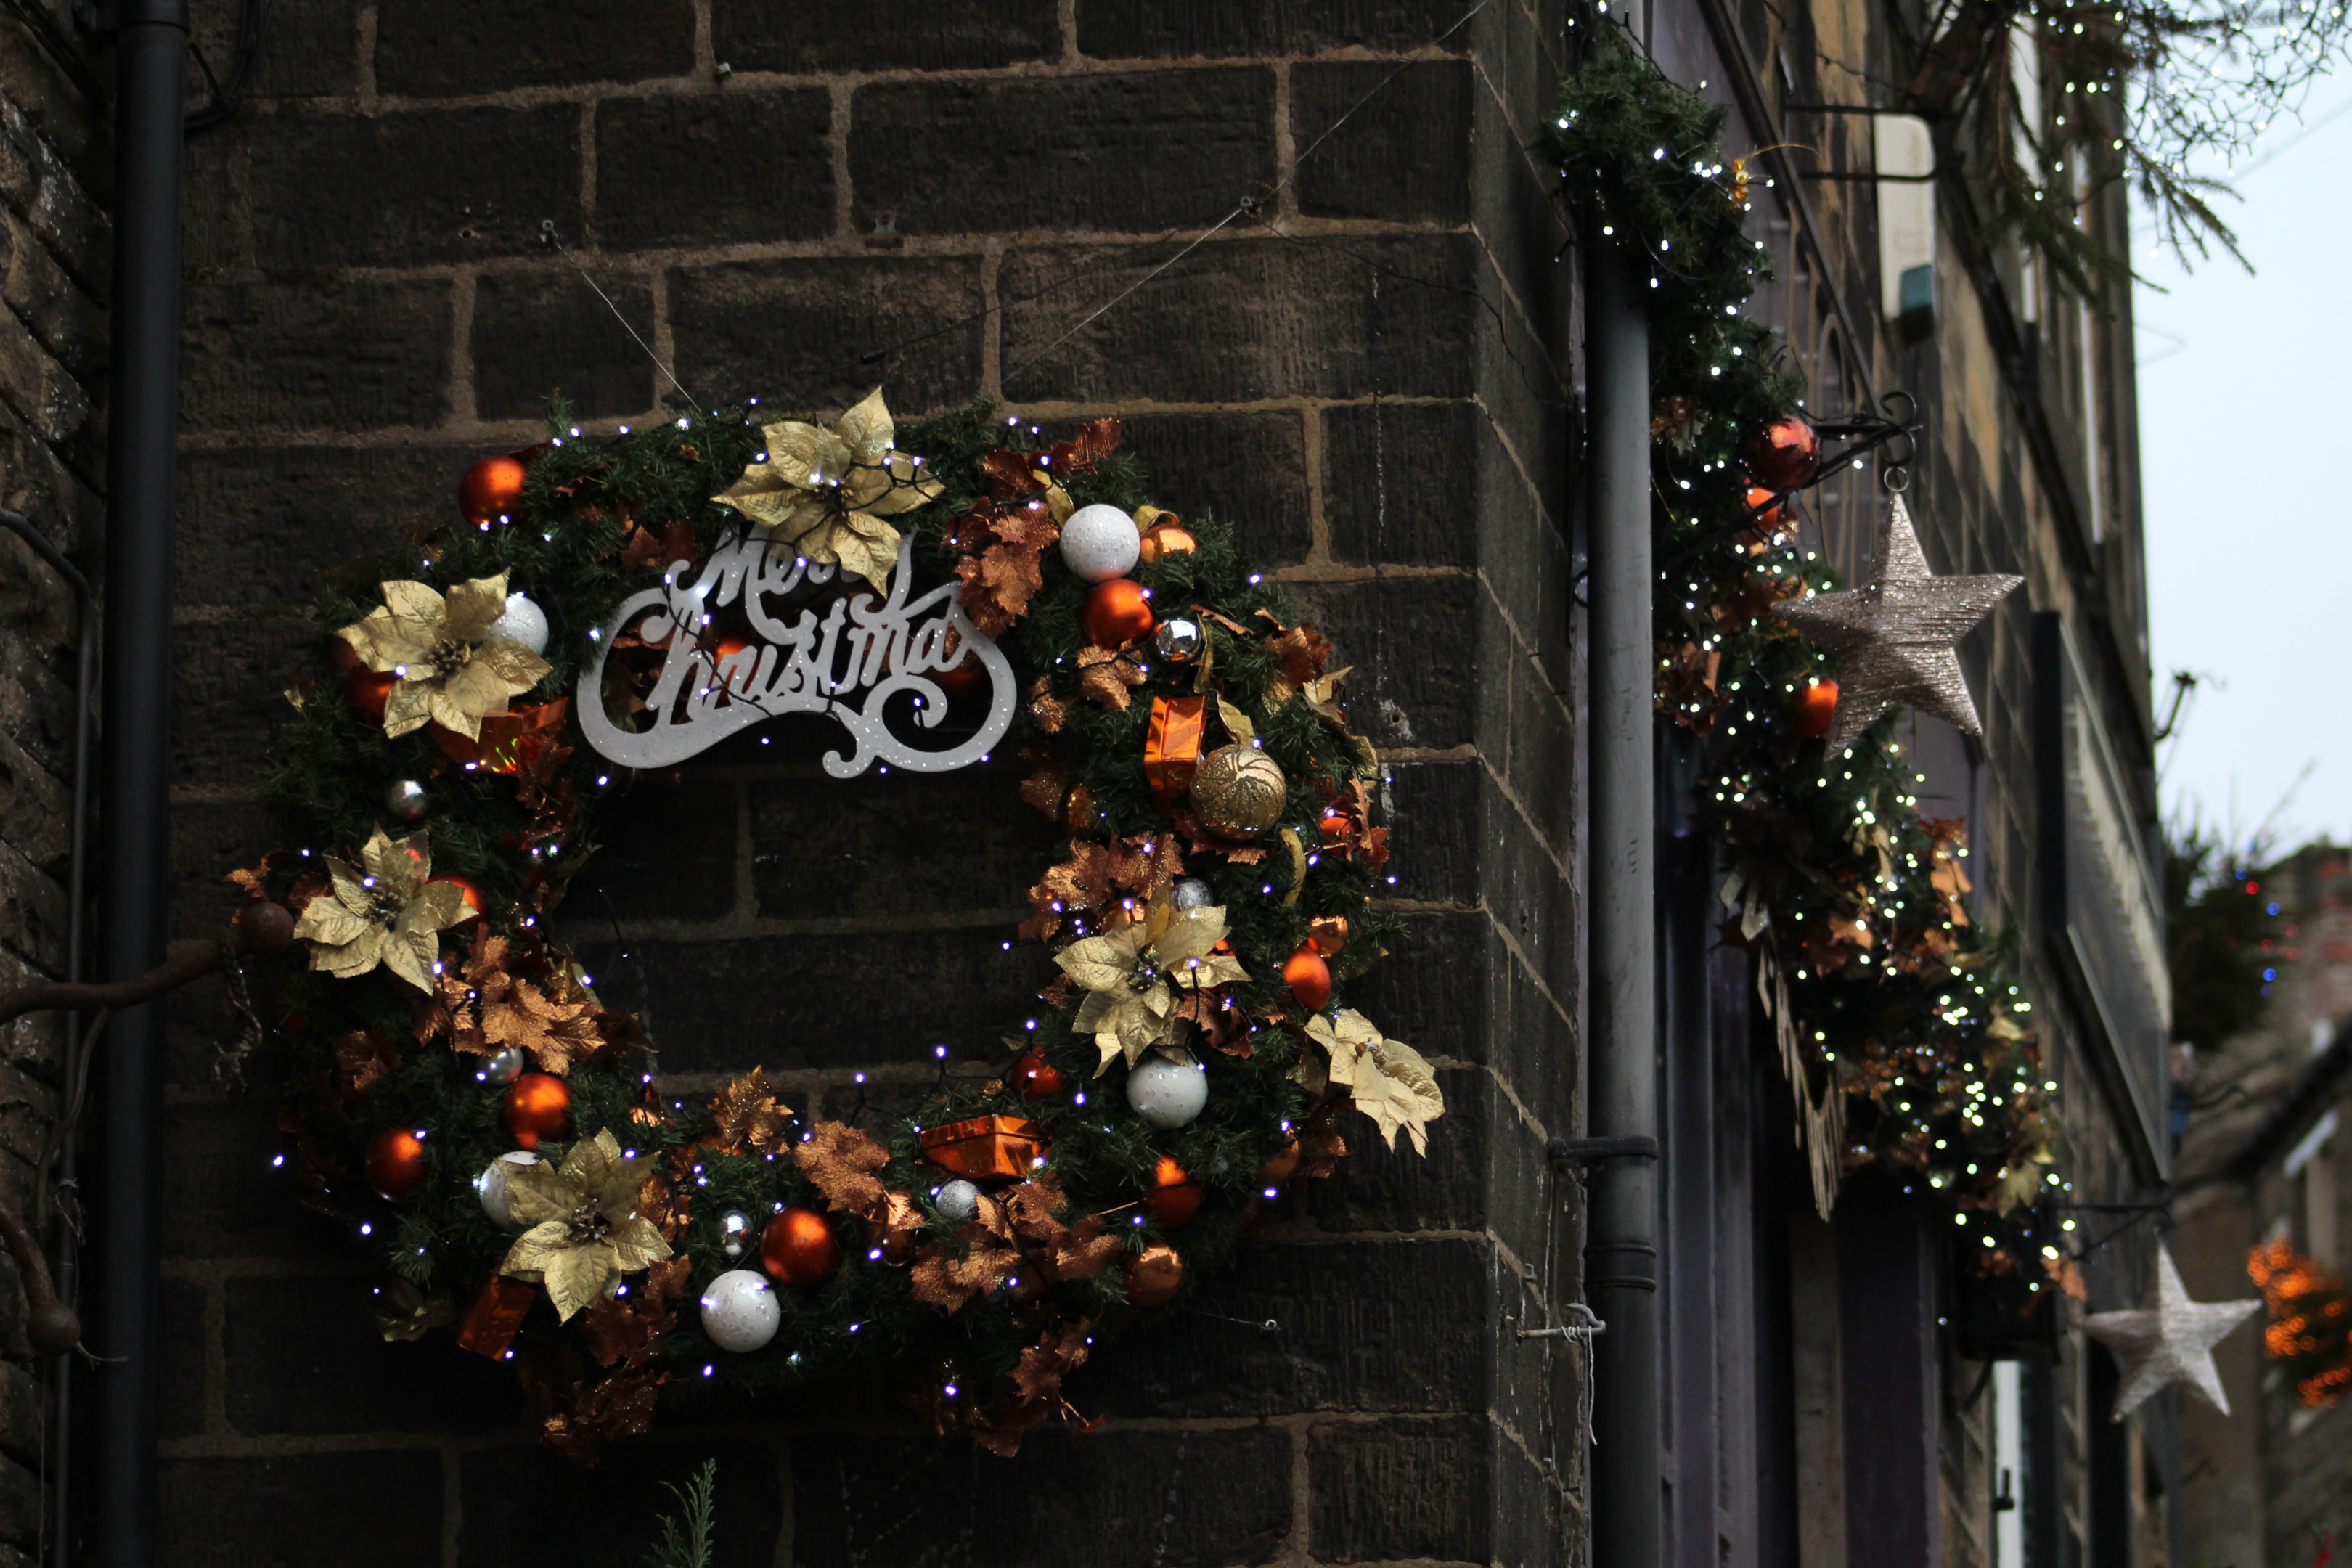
<point x="2310" y="1331"/>
<point x="461" y="1096"/>
<point x="1900" y="1034"/>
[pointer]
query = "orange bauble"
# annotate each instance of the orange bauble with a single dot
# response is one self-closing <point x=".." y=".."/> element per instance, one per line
<point x="466" y="891"/>
<point x="1783" y="454"/>
<point x="1815" y="709"/>
<point x="798" y="1248"/>
<point x="491" y="488"/>
<point x="1174" y="1197"/>
<point x="535" y="1107"/>
<point x="1766" y="508"/>
<point x="1037" y="1077"/>
<point x="1116" y="613"/>
<point x="1308" y="977"/>
<point x="369" y="690"/>
<point x="396" y="1162"/>
<point x="1155" y="1276"/>
<point x="1282" y="1167"/>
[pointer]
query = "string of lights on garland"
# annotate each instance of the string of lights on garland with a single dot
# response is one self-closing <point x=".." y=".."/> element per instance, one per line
<point x="1906" y="1046"/>
<point x="463" y="1099"/>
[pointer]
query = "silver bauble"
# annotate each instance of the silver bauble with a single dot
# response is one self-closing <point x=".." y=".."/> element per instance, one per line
<point x="734" y="1232"/>
<point x="1178" y="638"/>
<point x="957" y="1200"/>
<point x="1192" y="893"/>
<point x="405" y="799"/>
<point x="502" y="1067"/>
<point x="522" y="622"/>
<point x="740" y="1311"/>
<point x="490" y="1186"/>
<point x="1167" y="1094"/>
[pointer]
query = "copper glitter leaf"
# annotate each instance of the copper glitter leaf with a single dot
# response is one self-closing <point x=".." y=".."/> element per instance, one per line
<point x="841" y="1162"/>
<point x="746" y="1116"/>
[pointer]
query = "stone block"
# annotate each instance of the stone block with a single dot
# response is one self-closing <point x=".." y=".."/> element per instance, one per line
<point x="20" y="1504"/>
<point x="1431" y="989"/>
<point x="807" y="36"/>
<point x="530" y="1506"/>
<point x="1402" y="150"/>
<point x="21" y="1414"/>
<point x="1431" y="813"/>
<point x="1401" y="482"/>
<point x="41" y="392"/>
<point x="1248" y="471"/>
<point x="49" y="195"/>
<point x="666" y="851"/>
<point x="179" y="1351"/>
<point x="258" y="524"/>
<point x="539" y="332"/>
<point x="303" y="1360"/>
<point x="32" y="911"/>
<point x="311" y="48"/>
<point x="912" y="844"/>
<point x="1229" y="323"/>
<point x="62" y="314"/>
<point x="1122" y="29"/>
<point x="225" y="1198"/>
<point x="349" y="353"/>
<point x="1122" y="1500"/>
<point x="726" y="168"/>
<point x="1392" y="1489"/>
<point x="1415" y="648"/>
<point x="362" y="1509"/>
<point x="1392" y="1325"/>
<point x="1114" y="153"/>
<point x="1377" y="1188"/>
<point x="823" y="332"/>
<point x="226" y="676"/>
<point x="411" y="188"/>
<point x="444" y="48"/>
<point x="821" y="1000"/>
<point x="36" y="809"/>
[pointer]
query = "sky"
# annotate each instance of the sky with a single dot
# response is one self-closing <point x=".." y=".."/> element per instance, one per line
<point x="2245" y="386"/>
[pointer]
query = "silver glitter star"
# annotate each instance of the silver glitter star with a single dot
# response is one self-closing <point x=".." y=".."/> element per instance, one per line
<point x="2168" y="1340"/>
<point x="1894" y="637"/>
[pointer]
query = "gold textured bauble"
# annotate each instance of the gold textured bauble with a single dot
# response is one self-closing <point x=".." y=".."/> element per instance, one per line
<point x="1238" y="791"/>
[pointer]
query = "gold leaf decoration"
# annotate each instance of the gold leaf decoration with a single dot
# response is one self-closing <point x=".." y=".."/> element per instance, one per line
<point x="385" y="910"/>
<point x="827" y="492"/>
<point x="450" y="670"/>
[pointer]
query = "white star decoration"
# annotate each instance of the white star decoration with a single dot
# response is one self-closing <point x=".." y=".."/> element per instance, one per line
<point x="1894" y="637"/>
<point x="2168" y="1340"/>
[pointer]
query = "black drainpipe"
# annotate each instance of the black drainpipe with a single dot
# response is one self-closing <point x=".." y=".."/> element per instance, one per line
<point x="1621" y="1249"/>
<point x="134" y="802"/>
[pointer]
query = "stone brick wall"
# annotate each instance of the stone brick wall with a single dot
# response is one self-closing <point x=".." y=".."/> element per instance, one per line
<point x="53" y="264"/>
<point x="1370" y="372"/>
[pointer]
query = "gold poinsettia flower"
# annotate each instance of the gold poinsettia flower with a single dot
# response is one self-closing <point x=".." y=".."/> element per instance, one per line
<point x="385" y="910"/>
<point x="1132" y="975"/>
<point x="1386" y="1079"/>
<point x="827" y="492"/>
<point x="585" y="1231"/>
<point x="452" y="671"/>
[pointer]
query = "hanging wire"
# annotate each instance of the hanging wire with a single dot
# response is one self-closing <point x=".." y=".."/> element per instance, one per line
<point x="547" y="232"/>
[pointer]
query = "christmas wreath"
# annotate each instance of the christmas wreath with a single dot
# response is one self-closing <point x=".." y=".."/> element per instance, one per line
<point x="1904" y="1040"/>
<point x="460" y="1093"/>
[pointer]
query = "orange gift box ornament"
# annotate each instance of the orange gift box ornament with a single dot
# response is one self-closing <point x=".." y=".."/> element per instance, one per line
<point x="1171" y="747"/>
<point x="491" y="1323"/>
<point x="984" y="1148"/>
<point x="499" y="749"/>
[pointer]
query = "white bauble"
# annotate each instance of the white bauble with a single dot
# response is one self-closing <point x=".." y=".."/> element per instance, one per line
<point x="740" y="1311"/>
<point x="958" y="1201"/>
<point x="490" y="1186"/>
<point x="1100" y="542"/>
<point x="1167" y="1094"/>
<point x="521" y="622"/>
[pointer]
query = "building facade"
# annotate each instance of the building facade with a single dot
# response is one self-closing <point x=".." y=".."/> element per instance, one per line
<point x="1304" y="251"/>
